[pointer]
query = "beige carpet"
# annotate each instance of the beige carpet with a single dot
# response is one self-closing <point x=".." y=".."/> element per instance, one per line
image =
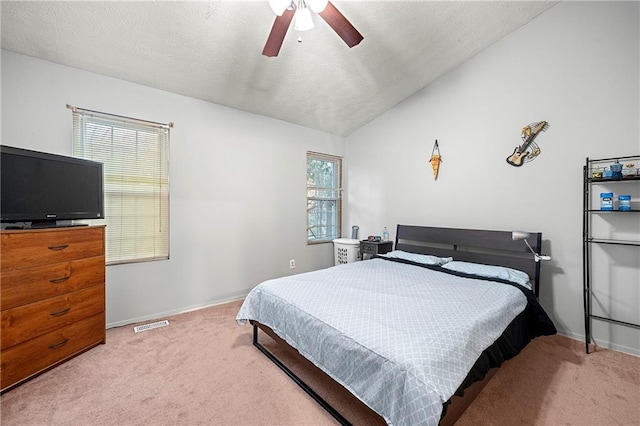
<point x="203" y="370"/>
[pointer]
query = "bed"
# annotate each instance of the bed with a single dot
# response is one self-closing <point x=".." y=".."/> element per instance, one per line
<point x="413" y="334"/>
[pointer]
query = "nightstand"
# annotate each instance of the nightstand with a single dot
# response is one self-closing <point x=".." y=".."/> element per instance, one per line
<point x="372" y="248"/>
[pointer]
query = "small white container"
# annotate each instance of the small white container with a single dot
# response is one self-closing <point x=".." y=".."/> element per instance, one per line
<point x="346" y="250"/>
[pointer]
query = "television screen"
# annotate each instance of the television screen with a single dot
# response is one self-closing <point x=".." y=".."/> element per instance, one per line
<point x="44" y="188"/>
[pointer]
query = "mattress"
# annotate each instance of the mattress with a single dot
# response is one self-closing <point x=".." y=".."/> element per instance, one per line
<point x="401" y="337"/>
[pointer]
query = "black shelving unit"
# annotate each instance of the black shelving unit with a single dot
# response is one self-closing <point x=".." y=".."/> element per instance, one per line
<point x="589" y="240"/>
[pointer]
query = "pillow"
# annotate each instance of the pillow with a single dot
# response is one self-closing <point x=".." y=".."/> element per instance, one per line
<point x="425" y="259"/>
<point x="490" y="271"/>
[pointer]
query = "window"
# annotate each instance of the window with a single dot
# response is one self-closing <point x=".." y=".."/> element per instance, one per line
<point x="136" y="182"/>
<point x="324" y="197"/>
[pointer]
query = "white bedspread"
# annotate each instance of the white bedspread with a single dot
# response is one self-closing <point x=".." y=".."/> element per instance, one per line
<point x="400" y="337"/>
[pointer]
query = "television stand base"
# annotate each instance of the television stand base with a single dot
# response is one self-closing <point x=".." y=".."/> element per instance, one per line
<point x="41" y="224"/>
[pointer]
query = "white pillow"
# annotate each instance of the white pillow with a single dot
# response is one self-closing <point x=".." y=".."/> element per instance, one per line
<point x="425" y="259"/>
<point x="490" y="271"/>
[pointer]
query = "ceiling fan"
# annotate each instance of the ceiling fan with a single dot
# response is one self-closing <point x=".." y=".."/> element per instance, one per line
<point x="298" y="10"/>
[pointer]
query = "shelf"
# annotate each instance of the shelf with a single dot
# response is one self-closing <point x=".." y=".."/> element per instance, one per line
<point x="614" y="242"/>
<point x="623" y="179"/>
<point x="609" y="160"/>
<point x="613" y="211"/>
<point x="615" y="321"/>
<point x="590" y="166"/>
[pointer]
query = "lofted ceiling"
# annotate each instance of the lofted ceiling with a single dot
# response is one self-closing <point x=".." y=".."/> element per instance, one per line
<point x="211" y="50"/>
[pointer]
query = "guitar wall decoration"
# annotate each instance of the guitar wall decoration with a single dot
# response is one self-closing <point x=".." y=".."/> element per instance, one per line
<point x="529" y="150"/>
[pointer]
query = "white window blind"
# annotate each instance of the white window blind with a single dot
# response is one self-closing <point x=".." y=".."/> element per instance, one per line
<point x="136" y="182"/>
<point x="324" y="197"/>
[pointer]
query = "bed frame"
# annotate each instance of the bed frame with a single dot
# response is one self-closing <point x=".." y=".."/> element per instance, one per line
<point x="470" y="245"/>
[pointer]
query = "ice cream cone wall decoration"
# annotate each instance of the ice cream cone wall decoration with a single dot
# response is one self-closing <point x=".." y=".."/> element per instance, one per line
<point x="435" y="160"/>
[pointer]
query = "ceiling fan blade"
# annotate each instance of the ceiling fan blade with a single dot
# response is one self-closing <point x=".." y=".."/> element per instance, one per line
<point x="278" y="31"/>
<point x="341" y="25"/>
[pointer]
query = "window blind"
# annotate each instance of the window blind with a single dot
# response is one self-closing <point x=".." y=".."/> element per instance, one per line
<point x="136" y="182"/>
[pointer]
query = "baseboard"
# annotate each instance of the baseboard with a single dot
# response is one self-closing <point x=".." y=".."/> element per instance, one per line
<point x="602" y="343"/>
<point x="617" y="348"/>
<point x="183" y="310"/>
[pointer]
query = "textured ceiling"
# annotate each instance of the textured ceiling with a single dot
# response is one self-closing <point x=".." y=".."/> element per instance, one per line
<point x="211" y="50"/>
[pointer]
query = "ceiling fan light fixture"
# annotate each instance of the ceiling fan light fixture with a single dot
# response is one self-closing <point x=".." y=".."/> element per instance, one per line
<point x="303" y="20"/>
<point x="317" y="5"/>
<point x="279" y="6"/>
<point x="299" y="10"/>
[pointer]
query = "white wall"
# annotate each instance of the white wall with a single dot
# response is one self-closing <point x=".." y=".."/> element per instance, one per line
<point x="238" y="185"/>
<point x="575" y="66"/>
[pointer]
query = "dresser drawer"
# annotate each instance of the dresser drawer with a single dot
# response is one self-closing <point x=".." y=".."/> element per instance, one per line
<point x="24" y="286"/>
<point x="33" y="356"/>
<point x="26" y="322"/>
<point x="368" y="248"/>
<point x="25" y="249"/>
<point x="375" y="247"/>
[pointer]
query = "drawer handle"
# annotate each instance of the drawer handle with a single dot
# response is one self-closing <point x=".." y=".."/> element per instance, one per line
<point x="58" y="248"/>
<point x="59" y="280"/>
<point x="59" y="313"/>
<point x="59" y="345"/>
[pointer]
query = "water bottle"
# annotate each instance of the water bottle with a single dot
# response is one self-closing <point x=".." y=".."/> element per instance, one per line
<point x="385" y="234"/>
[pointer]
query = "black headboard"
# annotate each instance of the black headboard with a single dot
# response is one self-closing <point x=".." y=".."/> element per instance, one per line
<point x="473" y="245"/>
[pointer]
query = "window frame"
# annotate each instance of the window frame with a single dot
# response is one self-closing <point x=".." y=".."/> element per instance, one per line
<point x="337" y="188"/>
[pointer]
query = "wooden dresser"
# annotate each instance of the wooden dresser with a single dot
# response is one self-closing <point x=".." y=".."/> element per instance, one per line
<point x="52" y="298"/>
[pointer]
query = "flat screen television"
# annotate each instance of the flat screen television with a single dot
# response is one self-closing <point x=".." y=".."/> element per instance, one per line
<point x="41" y="189"/>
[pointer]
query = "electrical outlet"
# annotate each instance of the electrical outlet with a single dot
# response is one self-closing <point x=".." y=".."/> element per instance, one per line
<point x="292" y="264"/>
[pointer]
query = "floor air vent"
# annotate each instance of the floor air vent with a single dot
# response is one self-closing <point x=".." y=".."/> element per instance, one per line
<point x="149" y="326"/>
